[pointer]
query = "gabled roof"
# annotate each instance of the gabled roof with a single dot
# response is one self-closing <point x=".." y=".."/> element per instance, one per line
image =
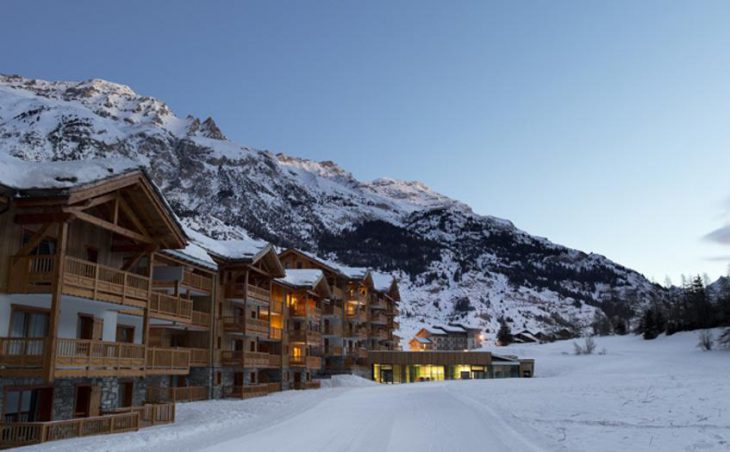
<point x="310" y="279"/>
<point x="75" y="187"/>
<point x="383" y="282"/>
<point x="353" y="273"/>
<point x="247" y="251"/>
<point x="195" y="254"/>
<point x="422" y="340"/>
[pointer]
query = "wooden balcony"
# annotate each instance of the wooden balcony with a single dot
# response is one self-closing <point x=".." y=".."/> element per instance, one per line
<point x="355" y="315"/>
<point x="34" y="274"/>
<point x="200" y="319"/>
<point x="313" y="384"/>
<point x="74" y="357"/>
<point x="167" y="361"/>
<point x="308" y="361"/>
<point x="247" y="326"/>
<point x="379" y="319"/>
<point x="251" y="390"/>
<point x="308" y="311"/>
<point x="27" y="433"/>
<point x="170" y="307"/>
<point x="379" y="304"/>
<point x="334" y="351"/>
<point x="337" y="293"/>
<point x="22" y="356"/>
<point x="197" y="282"/>
<point x="379" y="334"/>
<point x="331" y="310"/>
<point x="151" y="413"/>
<point x="91" y="358"/>
<point x="254" y="360"/>
<point x="248" y="292"/>
<point x="305" y="336"/>
<point x="178" y="394"/>
<point x="199" y="357"/>
<point x="275" y="334"/>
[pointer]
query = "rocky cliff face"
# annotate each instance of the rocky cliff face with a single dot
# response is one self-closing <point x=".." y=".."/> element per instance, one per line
<point x="453" y="263"/>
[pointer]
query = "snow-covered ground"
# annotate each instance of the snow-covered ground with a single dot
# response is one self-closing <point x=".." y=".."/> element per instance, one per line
<point x="662" y="395"/>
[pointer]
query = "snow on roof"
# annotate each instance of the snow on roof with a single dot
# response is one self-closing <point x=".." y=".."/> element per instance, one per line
<point x="24" y="175"/>
<point x="230" y="249"/>
<point x="195" y="253"/>
<point x="382" y="281"/>
<point x="450" y="328"/>
<point x="422" y="340"/>
<point x="302" y="277"/>
<point x="350" y="272"/>
<point x="435" y="331"/>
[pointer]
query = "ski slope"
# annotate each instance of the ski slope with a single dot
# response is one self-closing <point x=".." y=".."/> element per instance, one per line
<point x="661" y="395"/>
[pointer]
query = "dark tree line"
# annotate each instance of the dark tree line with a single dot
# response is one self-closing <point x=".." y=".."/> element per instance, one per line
<point x="691" y="307"/>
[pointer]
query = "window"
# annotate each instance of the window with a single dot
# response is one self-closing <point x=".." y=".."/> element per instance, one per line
<point x="92" y="254"/>
<point x="253" y="378"/>
<point x="28" y="323"/>
<point x="218" y="378"/>
<point x="125" y="334"/>
<point x="28" y="405"/>
<point x="253" y="346"/>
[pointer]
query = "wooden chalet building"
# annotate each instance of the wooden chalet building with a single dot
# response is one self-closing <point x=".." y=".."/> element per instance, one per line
<point x="77" y="300"/>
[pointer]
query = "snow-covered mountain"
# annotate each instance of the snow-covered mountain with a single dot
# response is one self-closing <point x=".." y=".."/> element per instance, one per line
<point x="453" y="263"/>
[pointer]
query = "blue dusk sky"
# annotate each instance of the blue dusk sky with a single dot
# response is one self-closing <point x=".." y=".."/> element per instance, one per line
<point x="604" y="126"/>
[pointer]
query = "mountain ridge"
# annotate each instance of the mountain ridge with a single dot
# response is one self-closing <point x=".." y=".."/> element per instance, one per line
<point x="454" y="264"/>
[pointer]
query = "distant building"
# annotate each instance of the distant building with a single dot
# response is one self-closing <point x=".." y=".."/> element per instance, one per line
<point x="525" y="337"/>
<point x="453" y="336"/>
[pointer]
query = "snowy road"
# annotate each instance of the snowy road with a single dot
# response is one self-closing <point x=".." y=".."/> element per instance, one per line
<point x="419" y="417"/>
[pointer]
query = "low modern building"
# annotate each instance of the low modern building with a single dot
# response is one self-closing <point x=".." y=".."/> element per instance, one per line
<point x="453" y="336"/>
<point x="411" y="367"/>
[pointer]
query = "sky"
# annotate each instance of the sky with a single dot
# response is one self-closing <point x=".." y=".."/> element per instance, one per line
<point x="604" y="126"/>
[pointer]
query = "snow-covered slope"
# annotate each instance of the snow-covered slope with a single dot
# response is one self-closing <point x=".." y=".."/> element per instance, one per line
<point x="453" y="264"/>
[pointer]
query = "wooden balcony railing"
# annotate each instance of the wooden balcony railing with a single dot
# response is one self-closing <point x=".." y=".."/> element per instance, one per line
<point x="251" y="390"/>
<point x="201" y="319"/>
<point x="308" y="361"/>
<point x="19" y="355"/>
<point x="248" y="326"/>
<point x="34" y="274"/>
<point x="313" y="384"/>
<point x="199" y="357"/>
<point x="250" y="292"/>
<point x="27" y="433"/>
<point x="355" y="315"/>
<point x="306" y="336"/>
<point x="274" y="361"/>
<point x="308" y="311"/>
<point x="152" y="413"/>
<point x="275" y="333"/>
<point x="378" y="303"/>
<point x="277" y="307"/>
<point x="331" y="310"/>
<point x="167" y="361"/>
<point x="380" y="319"/>
<point x="195" y="281"/>
<point x="380" y="335"/>
<point x="177" y="394"/>
<point x="84" y="357"/>
<point x="171" y="307"/>
<point x="232" y="358"/>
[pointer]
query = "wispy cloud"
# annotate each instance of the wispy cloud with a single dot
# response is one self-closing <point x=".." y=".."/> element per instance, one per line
<point x="721" y="235"/>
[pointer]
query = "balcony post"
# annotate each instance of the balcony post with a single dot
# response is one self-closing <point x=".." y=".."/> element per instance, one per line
<point x="50" y="352"/>
<point x="146" y="310"/>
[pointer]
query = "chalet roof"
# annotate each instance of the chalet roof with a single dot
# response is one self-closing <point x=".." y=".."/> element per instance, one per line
<point x="344" y="270"/>
<point x="422" y="340"/>
<point x="302" y="277"/>
<point x="24" y="175"/>
<point x="434" y="331"/>
<point x="76" y="182"/>
<point x="382" y="282"/>
<point x="196" y="254"/>
<point x="241" y="250"/>
<point x="450" y="328"/>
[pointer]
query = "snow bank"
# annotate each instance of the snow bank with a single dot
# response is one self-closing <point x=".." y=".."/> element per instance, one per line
<point x="346" y="381"/>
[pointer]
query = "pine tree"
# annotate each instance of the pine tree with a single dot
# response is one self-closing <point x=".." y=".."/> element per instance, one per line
<point x="648" y="323"/>
<point x="504" y="335"/>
